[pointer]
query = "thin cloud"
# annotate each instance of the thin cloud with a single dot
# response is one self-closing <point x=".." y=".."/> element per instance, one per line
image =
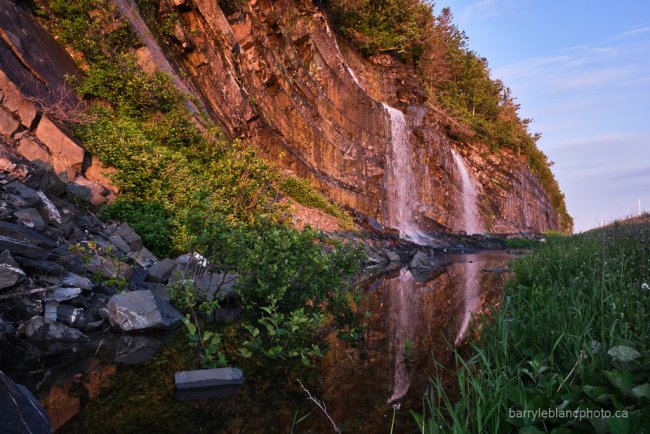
<point x="635" y="31"/>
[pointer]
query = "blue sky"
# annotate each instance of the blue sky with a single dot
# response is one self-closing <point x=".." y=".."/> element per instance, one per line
<point x="581" y="70"/>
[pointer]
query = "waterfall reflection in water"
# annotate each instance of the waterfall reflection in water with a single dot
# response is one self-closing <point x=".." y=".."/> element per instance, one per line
<point x="403" y="301"/>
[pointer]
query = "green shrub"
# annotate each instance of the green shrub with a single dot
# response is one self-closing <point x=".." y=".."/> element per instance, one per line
<point x="303" y="193"/>
<point x="149" y="219"/>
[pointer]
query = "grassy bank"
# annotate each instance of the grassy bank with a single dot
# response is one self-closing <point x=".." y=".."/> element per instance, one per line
<point x="572" y="333"/>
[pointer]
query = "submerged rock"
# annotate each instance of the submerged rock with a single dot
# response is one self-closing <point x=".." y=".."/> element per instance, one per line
<point x="141" y="310"/>
<point x="21" y="412"/>
<point x="43" y="329"/>
<point x="420" y="260"/>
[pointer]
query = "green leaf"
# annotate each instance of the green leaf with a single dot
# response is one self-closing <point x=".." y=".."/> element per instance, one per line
<point x="642" y="391"/>
<point x="624" y="354"/>
<point x="530" y="430"/>
<point x="622" y="380"/>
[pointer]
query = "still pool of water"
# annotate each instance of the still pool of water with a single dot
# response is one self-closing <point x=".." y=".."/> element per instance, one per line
<point x="412" y="321"/>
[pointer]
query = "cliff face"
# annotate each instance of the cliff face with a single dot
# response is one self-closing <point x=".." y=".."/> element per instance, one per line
<point x="273" y="74"/>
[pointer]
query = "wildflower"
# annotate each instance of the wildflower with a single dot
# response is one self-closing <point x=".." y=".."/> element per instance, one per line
<point x="645" y="286"/>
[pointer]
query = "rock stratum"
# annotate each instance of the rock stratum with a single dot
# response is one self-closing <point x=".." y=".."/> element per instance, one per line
<point x="273" y="74"/>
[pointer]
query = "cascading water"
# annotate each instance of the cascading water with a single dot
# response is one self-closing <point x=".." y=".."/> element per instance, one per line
<point x="401" y="190"/>
<point x="404" y="303"/>
<point x="471" y="217"/>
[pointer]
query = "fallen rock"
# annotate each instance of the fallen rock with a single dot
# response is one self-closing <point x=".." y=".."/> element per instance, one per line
<point x="141" y="310"/>
<point x="21" y="248"/>
<point x="28" y="235"/>
<point x="72" y="316"/>
<point x="161" y="271"/>
<point x="50" y="311"/>
<point x="420" y="260"/>
<point x="26" y="193"/>
<point x="21" y="411"/>
<point x="42" y="329"/>
<point x="74" y="280"/>
<point x="129" y="236"/>
<point x="48" y="210"/>
<point x="10" y="272"/>
<point x="63" y="294"/>
<point x="31" y="218"/>
<point x="143" y="257"/>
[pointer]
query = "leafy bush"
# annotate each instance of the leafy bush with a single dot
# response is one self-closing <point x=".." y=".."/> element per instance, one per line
<point x="149" y="219"/>
<point x="288" y="279"/>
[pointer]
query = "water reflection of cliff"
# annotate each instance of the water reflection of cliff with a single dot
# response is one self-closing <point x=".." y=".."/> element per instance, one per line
<point x="412" y="324"/>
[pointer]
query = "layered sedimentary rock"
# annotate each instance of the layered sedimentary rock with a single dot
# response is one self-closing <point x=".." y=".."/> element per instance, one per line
<point x="273" y="74"/>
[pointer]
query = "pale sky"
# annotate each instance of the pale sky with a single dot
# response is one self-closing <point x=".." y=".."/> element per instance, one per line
<point x="581" y="70"/>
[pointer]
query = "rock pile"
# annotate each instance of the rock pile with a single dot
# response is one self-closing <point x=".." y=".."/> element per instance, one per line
<point x="64" y="274"/>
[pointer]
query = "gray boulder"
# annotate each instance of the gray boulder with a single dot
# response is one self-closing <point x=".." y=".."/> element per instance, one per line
<point x="161" y="271"/>
<point x="141" y="310"/>
<point x="10" y="272"/>
<point x="45" y="330"/>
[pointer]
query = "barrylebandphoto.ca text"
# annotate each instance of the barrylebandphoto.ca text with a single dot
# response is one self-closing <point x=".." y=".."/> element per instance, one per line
<point x="559" y="413"/>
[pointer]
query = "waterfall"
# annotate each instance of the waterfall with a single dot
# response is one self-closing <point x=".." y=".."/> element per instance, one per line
<point x="471" y="217"/>
<point x="404" y="303"/>
<point x="401" y="189"/>
<point x="471" y="297"/>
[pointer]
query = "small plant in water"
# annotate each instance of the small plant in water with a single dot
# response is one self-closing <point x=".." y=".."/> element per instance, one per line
<point x="408" y="353"/>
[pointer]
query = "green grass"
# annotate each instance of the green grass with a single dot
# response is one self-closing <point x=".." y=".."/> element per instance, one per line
<point x="556" y="342"/>
<point x="303" y="193"/>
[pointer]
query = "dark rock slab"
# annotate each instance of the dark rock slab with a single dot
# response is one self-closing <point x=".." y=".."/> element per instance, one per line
<point x="39" y="266"/>
<point x="127" y="233"/>
<point x="28" y="235"/>
<point x="27" y="194"/>
<point x="72" y="316"/>
<point x="62" y="294"/>
<point x="31" y="218"/>
<point x="141" y="310"/>
<point x="76" y="281"/>
<point x="21" y="412"/>
<point x="22" y="248"/>
<point x="161" y="271"/>
<point x="10" y="272"/>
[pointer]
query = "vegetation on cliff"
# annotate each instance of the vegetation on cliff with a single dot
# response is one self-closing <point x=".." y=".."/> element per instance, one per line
<point x="185" y="186"/>
<point x="456" y="77"/>
<point x="572" y="334"/>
